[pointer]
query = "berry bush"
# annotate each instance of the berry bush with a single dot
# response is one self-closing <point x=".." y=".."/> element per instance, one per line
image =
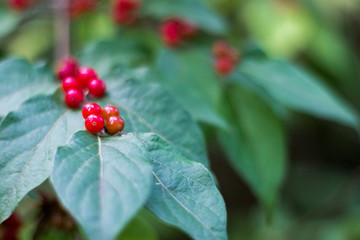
<point x="174" y="119"/>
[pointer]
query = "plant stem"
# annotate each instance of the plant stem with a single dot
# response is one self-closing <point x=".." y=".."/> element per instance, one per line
<point x="62" y="29"/>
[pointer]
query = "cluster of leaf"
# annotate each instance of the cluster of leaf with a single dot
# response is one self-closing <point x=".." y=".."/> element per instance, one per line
<point x="161" y="162"/>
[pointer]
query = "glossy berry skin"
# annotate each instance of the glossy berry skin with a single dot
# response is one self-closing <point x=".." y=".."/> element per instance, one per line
<point x="74" y="98"/>
<point x="85" y="75"/>
<point x="94" y="123"/>
<point x="68" y="67"/>
<point x="97" y="88"/>
<point x="71" y="83"/>
<point x="91" y="108"/>
<point x="114" y="125"/>
<point x="223" y="66"/>
<point x="109" y="111"/>
<point x="20" y="5"/>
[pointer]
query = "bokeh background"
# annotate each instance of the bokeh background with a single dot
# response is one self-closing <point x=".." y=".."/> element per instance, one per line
<point x="320" y="197"/>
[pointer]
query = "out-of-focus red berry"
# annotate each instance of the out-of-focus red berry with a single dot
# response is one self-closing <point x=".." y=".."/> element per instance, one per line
<point x="223" y="66"/>
<point x="171" y="32"/>
<point x="71" y="83"/>
<point x="20" y="5"/>
<point x="11" y="227"/>
<point x="97" y="88"/>
<point x="81" y="7"/>
<point x="74" y="98"/>
<point x="175" y="30"/>
<point x="125" y="11"/>
<point x="68" y="67"/>
<point x="85" y="75"/>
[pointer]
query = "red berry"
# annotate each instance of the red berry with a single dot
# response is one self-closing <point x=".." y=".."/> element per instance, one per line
<point x="80" y="7"/>
<point x="71" y="83"/>
<point x="86" y="75"/>
<point x="109" y="111"/>
<point x="91" y="108"/>
<point x="20" y="5"/>
<point x="94" y="123"/>
<point x="222" y="49"/>
<point x="74" y="98"/>
<point x="175" y="30"/>
<point x="68" y="67"/>
<point x="188" y="30"/>
<point x="114" y="125"/>
<point x="125" y="11"/>
<point x="171" y="32"/>
<point x="11" y="227"/>
<point x="97" y="87"/>
<point x="223" y="66"/>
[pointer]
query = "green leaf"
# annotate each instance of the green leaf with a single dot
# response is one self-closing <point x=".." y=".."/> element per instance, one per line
<point x="146" y="107"/>
<point x="296" y="89"/>
<point x="28" y="141"/>
<point x="8" y="21"/>
<point x="192" y="10"/>
<point x="185" y="194"/>
<point x="255" y="145"/>
<point x="138" y="229"/>
<point x="19" y="81"/>
<point x="103" y="182"/>
<point x="30" y="135"/>
<point x="189" y="77"/>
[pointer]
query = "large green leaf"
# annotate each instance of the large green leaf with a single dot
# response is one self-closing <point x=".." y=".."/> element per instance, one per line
<point x="185" y="194"/>
<point x="28" y="141"/>
<point x="30" y="135"/>
<point x="255" y="145"/>
<point x="148" y="108"/>
<point x="19" y="81"/>
<point x="298" y="90"/>
<point x="189" y="77"/>
<point x="103" y="182"/>
<point x="193" y="10"/>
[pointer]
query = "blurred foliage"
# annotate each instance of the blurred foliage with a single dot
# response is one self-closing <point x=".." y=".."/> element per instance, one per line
<point x="320" y="199"/>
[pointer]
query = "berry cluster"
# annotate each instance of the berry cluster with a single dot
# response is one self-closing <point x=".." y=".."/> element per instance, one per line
<point x="78" y="81"/>
<point x="96" y="119"/>
<point x="80" y="7"/>
<point x="20" y="5"/>
<point x="225" y="57"/>
<point x="125" y="11"/>
<point x="11" y="227"/>
<point x="175" y="30"/>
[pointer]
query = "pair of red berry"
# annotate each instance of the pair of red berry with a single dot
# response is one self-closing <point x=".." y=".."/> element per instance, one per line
<point x="225" y="57"/>
<point x="96" y="119"/>
<point x="78" y="80"/>
<point x="125" y="11"/>
<point x="175" y="30"/>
